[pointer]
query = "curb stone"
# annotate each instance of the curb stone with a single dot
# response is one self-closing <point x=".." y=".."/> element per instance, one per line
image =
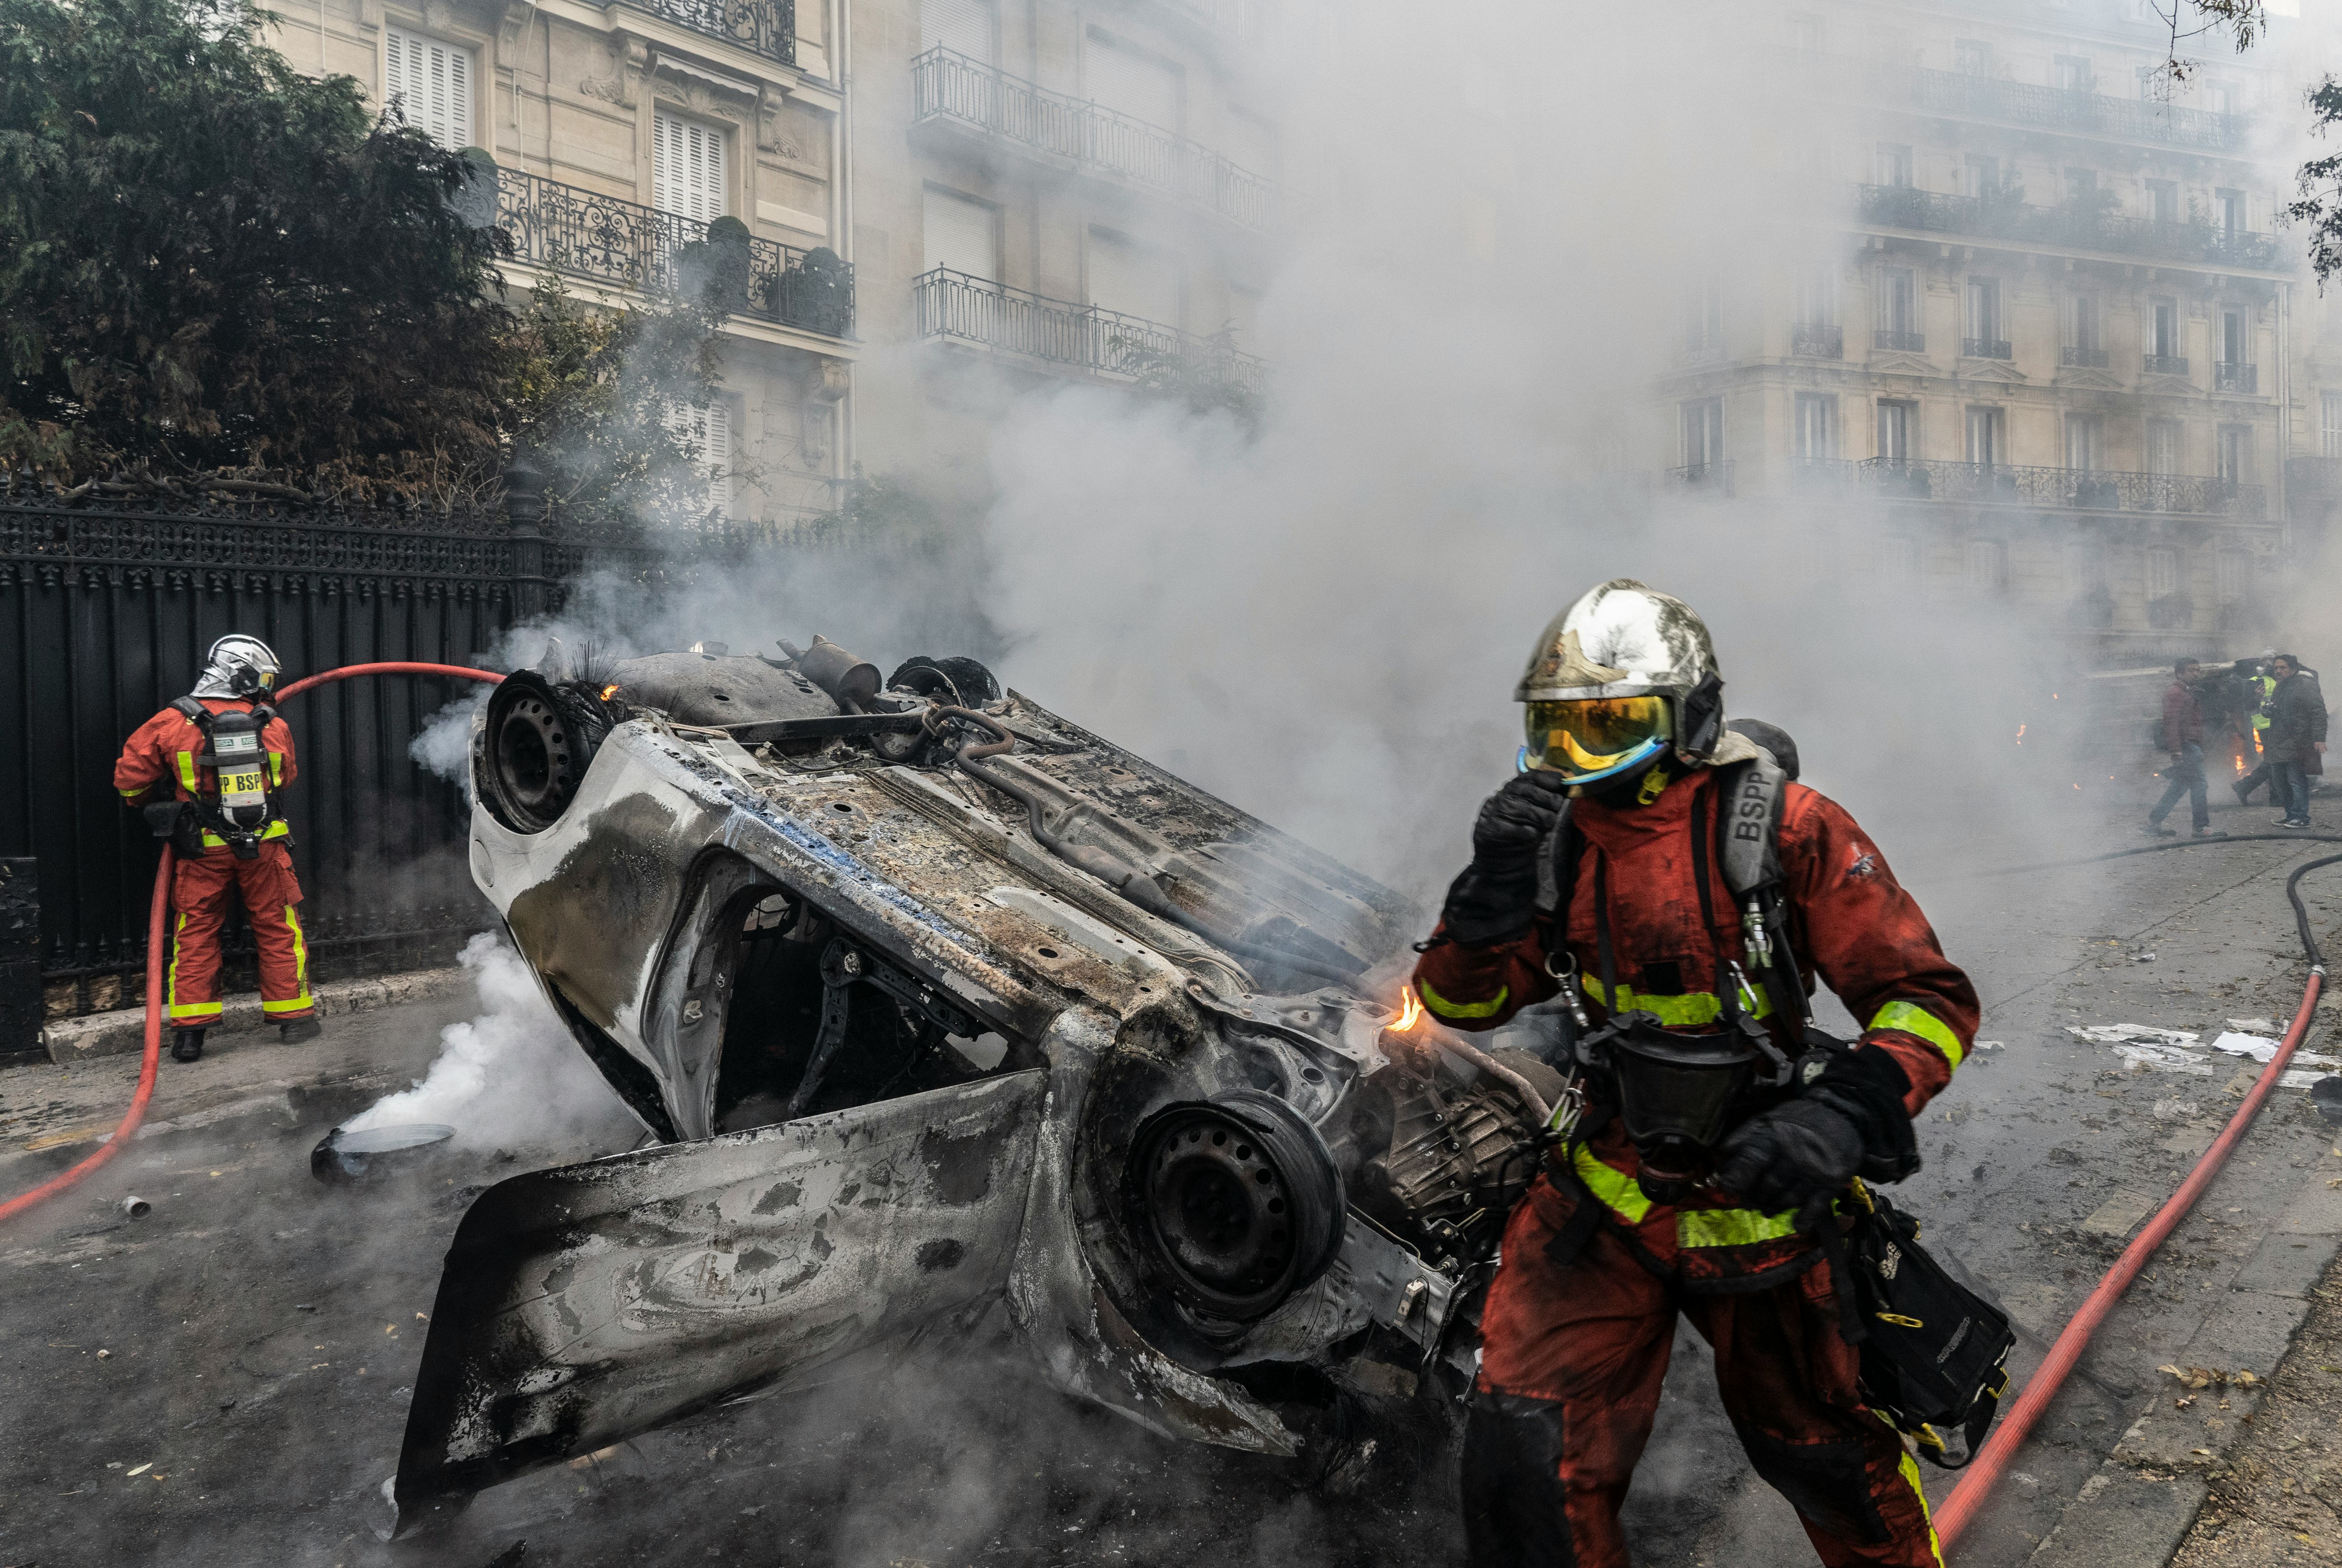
<point x="123" y="1032"/>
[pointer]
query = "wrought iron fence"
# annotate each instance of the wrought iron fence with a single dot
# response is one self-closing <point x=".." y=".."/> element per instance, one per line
<point x="1903" y="341"/>
<point x="2092" y="489"/>
<point x="601" y="238"/>
<point x="2057" y="108"/>
<point x="953" y="305"/>
<point x="2227" y="377"/>
<point x="2072" y="227"/>
<point x="766" y="27"/>
<point x="1816" y="340"/>
<point x="946" y="85"/>
<point x="2166" y="363"/>
<point x="1984" y="348"/>
<point x="2083" y="358"/>
<point x="1710" y="478"/>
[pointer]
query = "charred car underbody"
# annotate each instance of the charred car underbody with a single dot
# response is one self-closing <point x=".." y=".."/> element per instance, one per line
<point x="945" y="1014"/>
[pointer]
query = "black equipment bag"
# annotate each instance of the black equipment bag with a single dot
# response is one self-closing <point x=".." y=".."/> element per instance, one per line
<point x="1933" y="1353"/>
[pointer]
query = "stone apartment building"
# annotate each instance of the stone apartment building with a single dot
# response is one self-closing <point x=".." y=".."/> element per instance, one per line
<point x="2050" y="350"/>
<point x="622" y="136"/>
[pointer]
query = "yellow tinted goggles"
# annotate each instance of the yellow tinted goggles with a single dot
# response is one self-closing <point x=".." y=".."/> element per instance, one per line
<point x="1588" y="739"/>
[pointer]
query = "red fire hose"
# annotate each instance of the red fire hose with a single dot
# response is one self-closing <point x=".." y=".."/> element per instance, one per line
<point x="158" y="921"/>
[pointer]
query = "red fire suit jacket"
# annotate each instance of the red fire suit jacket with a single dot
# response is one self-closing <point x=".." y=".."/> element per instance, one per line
<point x="1851" y="923"/>
<point x="164" y="751"/>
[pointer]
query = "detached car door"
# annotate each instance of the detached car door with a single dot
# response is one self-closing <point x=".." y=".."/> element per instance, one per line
<point x="583" y="1305"/>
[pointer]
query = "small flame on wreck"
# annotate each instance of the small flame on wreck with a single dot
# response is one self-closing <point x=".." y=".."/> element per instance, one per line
<point x="1410" y="1010"/>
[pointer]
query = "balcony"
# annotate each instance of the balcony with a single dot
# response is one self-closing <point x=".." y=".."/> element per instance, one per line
<point x="1813" y="340"/>
<point x="2165" y="365"/>
<point x="945" y="85"/>
<point x="766" y="27"/>
<point x="2064" y="228"/>
<point x="2076" y="357"/>
<point x="1708" y="478"/>
<point x="566" y="230"/>
<point x="2001" y="483"/>
<point x="2226" y="377"/>
<point x="1985" y="348"/>
<point x="974" y="310"/>
<point x="2087" y="114"/>
<point x="1899" y="342"/>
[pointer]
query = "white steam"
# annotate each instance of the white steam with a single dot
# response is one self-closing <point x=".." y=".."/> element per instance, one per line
<point x="511" y="1078"/>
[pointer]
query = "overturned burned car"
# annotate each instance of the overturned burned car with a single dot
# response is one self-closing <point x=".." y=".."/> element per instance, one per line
<point x="945" y="1014"/>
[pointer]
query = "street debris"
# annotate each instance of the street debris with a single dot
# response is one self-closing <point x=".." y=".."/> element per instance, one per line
<point x="2133" y="1034"/>
<point x="135" y="1207"/>
<point x="2195" y="1377"/>
<point x="2146" y="1046"/>
<point x="343" y="1155"/>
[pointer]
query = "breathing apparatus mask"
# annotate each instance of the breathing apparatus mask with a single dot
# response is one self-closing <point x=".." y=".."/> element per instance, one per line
<point x="1679" y="1094"/>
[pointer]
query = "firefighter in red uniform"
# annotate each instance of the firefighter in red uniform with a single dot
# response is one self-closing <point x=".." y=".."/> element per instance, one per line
<point x="207" y="770"/>
<point x="1662" y="875"/>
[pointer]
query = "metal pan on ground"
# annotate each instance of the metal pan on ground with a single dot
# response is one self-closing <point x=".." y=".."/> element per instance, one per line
<point x="373" y="1153"/>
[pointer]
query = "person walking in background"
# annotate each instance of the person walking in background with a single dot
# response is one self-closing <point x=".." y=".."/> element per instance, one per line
<point x="2295" y="737"/>
<point x="2183" y="738"/>
<point x="2257" y="685"/>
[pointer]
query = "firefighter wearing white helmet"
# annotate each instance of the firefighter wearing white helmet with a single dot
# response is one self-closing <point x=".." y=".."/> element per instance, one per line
<point x="1661" y="875"/>
<point x="208" y="771"/>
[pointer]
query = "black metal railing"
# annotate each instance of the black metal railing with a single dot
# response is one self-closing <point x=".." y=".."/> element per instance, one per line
<point x="2083" y="358"/>
<point x="2063" y="109"/>
<point x="607" y="240"/>
<point x="1713" y="477"/>
<point x="945" y="85"/>
<point x="1985" y="348"/>
<point x="2092" y="489"/>
<point x="766" y="27"/>
<point x="2227" y="377"/>
<point x="965" y="309"/>
<point x="2069" y="227"/>
<point x="1901" y="341"/>
<point x="1816" y="340"/>
<point x="2164" y="363"/>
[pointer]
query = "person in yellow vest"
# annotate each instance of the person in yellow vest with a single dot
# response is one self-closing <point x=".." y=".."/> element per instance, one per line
<point x="2260" y="687"/>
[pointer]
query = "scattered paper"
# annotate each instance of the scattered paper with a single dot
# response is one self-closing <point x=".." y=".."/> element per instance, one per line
<point x="2167" y="1059"/>
<point x="1992" y="1044"/>
<point x="2120" y="1034"/>
<point x="2261" y="1049"/>
<point x="2254" y="1025"/>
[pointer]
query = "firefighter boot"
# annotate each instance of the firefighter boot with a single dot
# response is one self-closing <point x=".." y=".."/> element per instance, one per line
<point x="300" y="1031"/>
<point x="187" y="1044"/>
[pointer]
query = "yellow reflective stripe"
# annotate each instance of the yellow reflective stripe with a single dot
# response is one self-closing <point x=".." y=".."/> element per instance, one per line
<point x="134" y="793"/>
<point x="187" y="771"/>
<point x="1909" y="1469"/>
<point x="295" y="1005"/>
<point x="277" y="829"/>
<point x="277" y="767"/>
<point x="188" y="1012"/>
<point x="1732" y="1227"/>
<point x="1615" y="1188"/>
<point x="1446" y="1008"/>
<point x="1683" y="1012"/>
<point x="1913" y="1019"/>
<point x="300" y="963"/>
<point x="171" y="980"/>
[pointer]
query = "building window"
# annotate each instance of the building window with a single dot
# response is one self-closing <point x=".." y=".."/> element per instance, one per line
<point x="2329" y="423"/>
<point x="962" y="235"/>
<point x="1149" y="90"/>
<point x="1703" y="431"/>
<point x="706" y="429"/>
<point x="2163" y="446"/>
<point x="1817" y="295"/>
<point x="2082" y="187"/>
<point x="2235" y="325"/>
<point x="2084" y="342"/>
<point x="1898" y="431"/>
<point x="2219" y="98"/>
<point x="1704" y="317"/>
<point x="1134" y="279"/>
<point x="1987" y="435"/>
<point x="1985" y="339"/>
<point x="1898" y="562"/>
<point x="427" y="82"/>
<point x="968" y="27"/>
<point x="1899" y="310"/>
<point x="1980" y="176"/>
<point x="2231" y="570"/>
<point x="1972" y="58"/>
<point x="2085" y="441"/>
<point x="1805" y="37"/>
<point x="2163" y="201"/>
<point x="2085" y="569"/>
<point x="2163" y="350"/>
<point x="688" y="168"/>
<point x="2074" y="74"/>
<point x="1817" y="425"/>
<point x="2162" y="574"/>
<point x="1987" y="561"/>
<point x="2236" y="454"/>
<point x="1893" y="164"/>
<point x="2228" y="211"/>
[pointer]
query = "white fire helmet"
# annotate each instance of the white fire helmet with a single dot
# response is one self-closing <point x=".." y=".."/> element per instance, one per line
<point x="238" y="666"/>
<point x="1605" y="687"/>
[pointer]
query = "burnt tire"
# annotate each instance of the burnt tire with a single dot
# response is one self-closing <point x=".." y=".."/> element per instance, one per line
<point x="534" y="748"/>
<point x="1239" y="1201"/>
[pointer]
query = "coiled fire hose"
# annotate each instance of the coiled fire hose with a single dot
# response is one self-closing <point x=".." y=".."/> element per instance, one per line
<point x="1976" y="1483"/>
<point x="157" y="925"/>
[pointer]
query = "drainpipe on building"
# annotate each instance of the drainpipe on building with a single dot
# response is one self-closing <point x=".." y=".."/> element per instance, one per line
<point x="2284" y="418"/>
<point x="842" y="455"/>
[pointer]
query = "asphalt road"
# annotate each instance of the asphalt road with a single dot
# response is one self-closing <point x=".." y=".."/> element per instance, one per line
<point x="225" y="1381"/>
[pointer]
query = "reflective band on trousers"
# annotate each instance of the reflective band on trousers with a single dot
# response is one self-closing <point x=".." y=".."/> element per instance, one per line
<point x="1685" y="1012"/>
<point x="1694" y="1228"/>
<point x="1913" y="1019"/>
<point x="1446" y="1008"/>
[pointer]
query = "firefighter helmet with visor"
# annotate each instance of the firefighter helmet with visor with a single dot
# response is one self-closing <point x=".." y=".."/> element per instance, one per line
<point x="1606" y="686"/>
<point x="238" y="666"/>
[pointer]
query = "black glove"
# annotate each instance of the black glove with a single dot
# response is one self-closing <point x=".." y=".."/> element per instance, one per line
<point x="1495" y="897"/>
<point x="1799" y="1155"/>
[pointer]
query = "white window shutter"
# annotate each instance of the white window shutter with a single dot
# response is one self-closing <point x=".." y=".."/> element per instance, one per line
<point x="429" y="81"/>
<point x="963" y="26"/>
<point x="962" y="235"/>
<point x="687" y="168"/>
<point x="707" y="427"/>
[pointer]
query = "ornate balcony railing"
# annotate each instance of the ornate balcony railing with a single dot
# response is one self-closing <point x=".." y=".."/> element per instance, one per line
<point x="1901" y="341"/>
<point x="945" y="85"/>
<point x="607" y="240"/>
<point x="2226" y="377"/>
<point x="2083" y="358"/>
<point x="953" y="305"/>
<point x="2069" y="227"/>
<point x="2090" y="489"/>
<point x="1713" y="477"/>
<point x="766" y="27"/>
<point x="2164" y="363"/>
<point x="1816" y="340"/>
<point x="2094" y="114"/>
<point x="1985" y="348"/>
